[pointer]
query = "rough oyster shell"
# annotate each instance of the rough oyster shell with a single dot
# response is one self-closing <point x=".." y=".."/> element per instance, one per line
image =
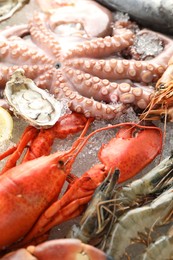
<point x="9" y="7"/>
<point x="35" y="105"/>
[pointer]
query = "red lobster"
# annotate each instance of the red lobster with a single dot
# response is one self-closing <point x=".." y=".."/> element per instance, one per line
<point x="30" y="190"/>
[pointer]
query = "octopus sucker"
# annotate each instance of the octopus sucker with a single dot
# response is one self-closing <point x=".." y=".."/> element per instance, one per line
<point x="127" y="98"/>
<point x="137" y="92"/>
<point x="124" y="87"/>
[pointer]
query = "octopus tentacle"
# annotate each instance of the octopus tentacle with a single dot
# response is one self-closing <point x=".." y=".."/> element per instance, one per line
<point x="110" y="92"/>
<point x="141" y="71"/>
<point x="88" y="106"/>
<point x="90" y="86"/>
<point x="18" y="30"/>
<point x="43" y="36"/>
<point x="17" y="51"/>
<point x="102" y="47"/>
<point x="37" y="73"/>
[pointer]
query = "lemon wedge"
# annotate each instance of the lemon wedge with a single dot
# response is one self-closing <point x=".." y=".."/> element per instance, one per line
<point x="6" y="125"/>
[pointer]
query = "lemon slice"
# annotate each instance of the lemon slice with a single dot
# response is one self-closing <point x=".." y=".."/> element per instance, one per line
<point x="6" y="125"/>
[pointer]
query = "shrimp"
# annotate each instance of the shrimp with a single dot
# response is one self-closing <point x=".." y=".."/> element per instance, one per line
<point x="151" y="184"/>
<point x="96" y="216"/>
<point x="136" y="221"/>
<point x="109" y="202"/>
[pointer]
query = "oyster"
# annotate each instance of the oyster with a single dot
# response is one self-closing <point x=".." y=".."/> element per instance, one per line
<point x="35" y="105"/>
<point x="9" y="7"/>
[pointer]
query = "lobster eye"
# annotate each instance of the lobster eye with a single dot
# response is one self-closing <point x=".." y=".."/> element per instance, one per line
<point x="136" y="132"/>
<point x="58" y="65"/>
<point x="60" y="164"/>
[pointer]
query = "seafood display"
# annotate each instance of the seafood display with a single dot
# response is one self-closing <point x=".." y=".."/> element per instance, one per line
<point x="78" y="157"/>
<point x="148" y="13"/>
<point x="58" y="166"/>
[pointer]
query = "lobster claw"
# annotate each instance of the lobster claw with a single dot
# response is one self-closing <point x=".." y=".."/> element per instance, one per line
<point x="131" y="150"/>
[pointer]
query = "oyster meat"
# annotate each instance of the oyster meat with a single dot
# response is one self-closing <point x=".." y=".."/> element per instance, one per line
<point x="9" y="7"/>
<point x="38" y="107"/>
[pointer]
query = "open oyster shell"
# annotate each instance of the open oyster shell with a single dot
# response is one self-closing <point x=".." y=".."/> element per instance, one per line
<point x="38" y="107"/>
<point x="9" y="7"/>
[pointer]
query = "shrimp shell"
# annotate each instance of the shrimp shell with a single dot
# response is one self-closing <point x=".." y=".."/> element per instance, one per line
<point x="162" y="248"/>
<point x="152" y="183"/>
<point x="96" y="218"/>
<point x="138" y="220"/>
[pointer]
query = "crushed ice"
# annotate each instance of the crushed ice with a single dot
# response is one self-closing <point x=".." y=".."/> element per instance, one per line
<point x="148" y="45"/>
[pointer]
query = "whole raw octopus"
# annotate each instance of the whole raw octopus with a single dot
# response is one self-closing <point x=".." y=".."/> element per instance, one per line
<point x="100" y="70"/>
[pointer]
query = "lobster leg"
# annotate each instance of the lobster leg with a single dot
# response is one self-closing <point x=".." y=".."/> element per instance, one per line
<point x="29" y="133"/>
<point x="41" y="140"/>
<point x="8" y="152"/>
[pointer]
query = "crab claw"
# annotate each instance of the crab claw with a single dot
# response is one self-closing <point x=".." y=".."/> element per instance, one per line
<point x="58" y="249"/>
<point x="66" y="249"/>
